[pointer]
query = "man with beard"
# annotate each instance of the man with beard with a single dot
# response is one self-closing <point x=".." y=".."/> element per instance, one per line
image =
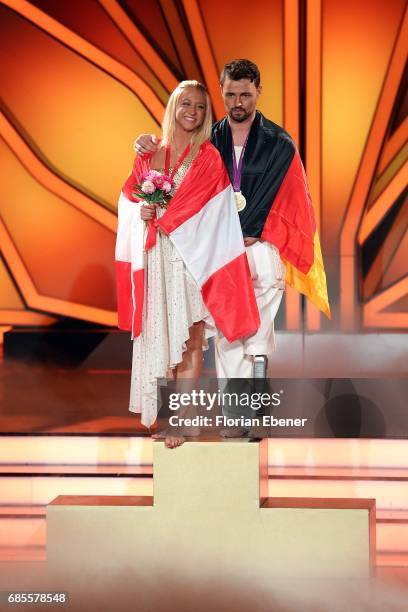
<point x="275" y="211"/>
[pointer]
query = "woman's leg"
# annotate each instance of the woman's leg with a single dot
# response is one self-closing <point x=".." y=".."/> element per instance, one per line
<point x="188" y="371"/>
<point x="192" y="363"/>
<point x="161" y="433"/>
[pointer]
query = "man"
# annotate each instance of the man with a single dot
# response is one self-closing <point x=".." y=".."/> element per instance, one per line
<point x="240" y="139"/>
<point x="275" y="212"/>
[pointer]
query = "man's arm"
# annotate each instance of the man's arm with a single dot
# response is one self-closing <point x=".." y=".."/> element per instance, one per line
<point x="146" y="143"/>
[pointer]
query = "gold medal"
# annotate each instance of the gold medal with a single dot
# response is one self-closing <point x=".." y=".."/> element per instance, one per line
<point x="239" y="200"/>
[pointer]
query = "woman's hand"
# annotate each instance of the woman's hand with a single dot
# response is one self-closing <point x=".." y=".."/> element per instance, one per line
<point x="147" y="212"/>
<point x="146" y="143"/>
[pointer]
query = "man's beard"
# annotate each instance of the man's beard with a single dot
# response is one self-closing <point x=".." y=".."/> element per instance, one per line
<point x="239" y="118"/>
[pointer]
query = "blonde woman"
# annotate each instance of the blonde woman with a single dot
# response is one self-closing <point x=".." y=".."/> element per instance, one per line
<point x="181" y="269"/>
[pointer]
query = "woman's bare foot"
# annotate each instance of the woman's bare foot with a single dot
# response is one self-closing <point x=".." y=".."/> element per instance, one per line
<point x="160" y="435"/>
<point x="174" y="441"/>
<point x="191" y="431"/>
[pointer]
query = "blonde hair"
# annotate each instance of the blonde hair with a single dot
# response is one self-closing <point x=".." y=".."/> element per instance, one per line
<point x="203" y="133"/>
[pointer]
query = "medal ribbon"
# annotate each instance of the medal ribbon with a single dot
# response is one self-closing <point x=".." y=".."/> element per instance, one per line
<point x="237" y="169"/>
<point x="152" y="224"/>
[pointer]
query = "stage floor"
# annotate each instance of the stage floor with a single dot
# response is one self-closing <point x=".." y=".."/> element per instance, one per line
<point x="45" y="398"/>
<point x="40" y="399"/>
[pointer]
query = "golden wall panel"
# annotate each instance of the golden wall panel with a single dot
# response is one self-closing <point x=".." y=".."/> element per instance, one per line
<point x="78" y="118"/>
<point x="261" y="40"/>
<point x="357" y="45"/>
<point x="67" y="254"/>
<point x="9" y="296"/>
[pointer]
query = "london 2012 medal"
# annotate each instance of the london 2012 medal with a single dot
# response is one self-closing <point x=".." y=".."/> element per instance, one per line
<point x="240" y="200"/>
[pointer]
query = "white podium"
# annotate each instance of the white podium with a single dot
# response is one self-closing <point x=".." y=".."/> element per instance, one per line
<point x="210" y="524"/>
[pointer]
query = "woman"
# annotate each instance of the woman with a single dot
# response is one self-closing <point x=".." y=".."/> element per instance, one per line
<point x="182" y="269"/>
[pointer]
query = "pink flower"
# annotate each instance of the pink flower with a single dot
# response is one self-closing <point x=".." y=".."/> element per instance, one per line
<point x="158" y="181"/>
<point x="148" y="187"/>
<point x="149" y="175"/>
<point x="166" y="187"/>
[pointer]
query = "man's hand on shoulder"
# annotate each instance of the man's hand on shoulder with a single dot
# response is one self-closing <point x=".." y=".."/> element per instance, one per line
<point x="146" y="144"/>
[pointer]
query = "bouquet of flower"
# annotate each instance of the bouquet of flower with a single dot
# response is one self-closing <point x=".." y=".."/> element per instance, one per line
<point x="154" y="189"/>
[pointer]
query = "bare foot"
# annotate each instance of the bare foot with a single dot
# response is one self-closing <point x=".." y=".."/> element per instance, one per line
<point x="191" y="431"/>
<point x="174" y="441"/>
<point x="160" y="435"/>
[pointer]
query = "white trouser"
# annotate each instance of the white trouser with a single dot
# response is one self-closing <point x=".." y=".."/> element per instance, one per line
<point x="234" y="360"/>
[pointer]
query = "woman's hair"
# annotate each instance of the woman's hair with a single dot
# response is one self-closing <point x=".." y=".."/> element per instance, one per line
<point x="203" y="133"/>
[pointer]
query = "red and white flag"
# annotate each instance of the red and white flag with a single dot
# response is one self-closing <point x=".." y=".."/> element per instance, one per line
<point x="203" y="224"/>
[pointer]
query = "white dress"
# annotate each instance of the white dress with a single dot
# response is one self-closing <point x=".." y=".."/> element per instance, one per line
<point x="173" y="302"/>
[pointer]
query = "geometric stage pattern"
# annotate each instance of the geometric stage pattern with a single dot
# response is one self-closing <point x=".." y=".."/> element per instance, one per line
<point x="81" y="79"/>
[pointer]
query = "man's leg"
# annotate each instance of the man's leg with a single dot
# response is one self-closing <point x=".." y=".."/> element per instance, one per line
<point x="230" y="360"/>
<point x="263" y="342"/>
<point x="235" y="360"/>
<point x="269" y="286"/>
<point x="268" y="277"/>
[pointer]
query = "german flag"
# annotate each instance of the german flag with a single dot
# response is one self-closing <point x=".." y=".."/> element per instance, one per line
<point x="291" y="227"/>
<point x="279" y="207"/>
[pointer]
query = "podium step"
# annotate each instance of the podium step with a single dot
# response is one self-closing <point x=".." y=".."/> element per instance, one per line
<point x="129" y="449"/>
<point x="392" y="516"/>
<point x="74" y="449"/>
<point x="392" y="532"/>
<point x="22" y="531"/>
<point x="40" y="490"/>
<point x="29" y="511"/>
<point x="138" y="471"/>
<point x="392" y="559"/>
<point x="21" y="554"/>
<point x="338" y="473"/>
<point x="389" y="494"/>
<point x="343" y="453"/>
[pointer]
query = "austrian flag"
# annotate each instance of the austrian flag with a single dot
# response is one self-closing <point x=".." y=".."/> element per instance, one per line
<point x="203" y="224"/>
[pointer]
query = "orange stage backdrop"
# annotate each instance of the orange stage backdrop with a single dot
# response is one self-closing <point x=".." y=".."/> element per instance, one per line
<point x="81" y="78"/>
